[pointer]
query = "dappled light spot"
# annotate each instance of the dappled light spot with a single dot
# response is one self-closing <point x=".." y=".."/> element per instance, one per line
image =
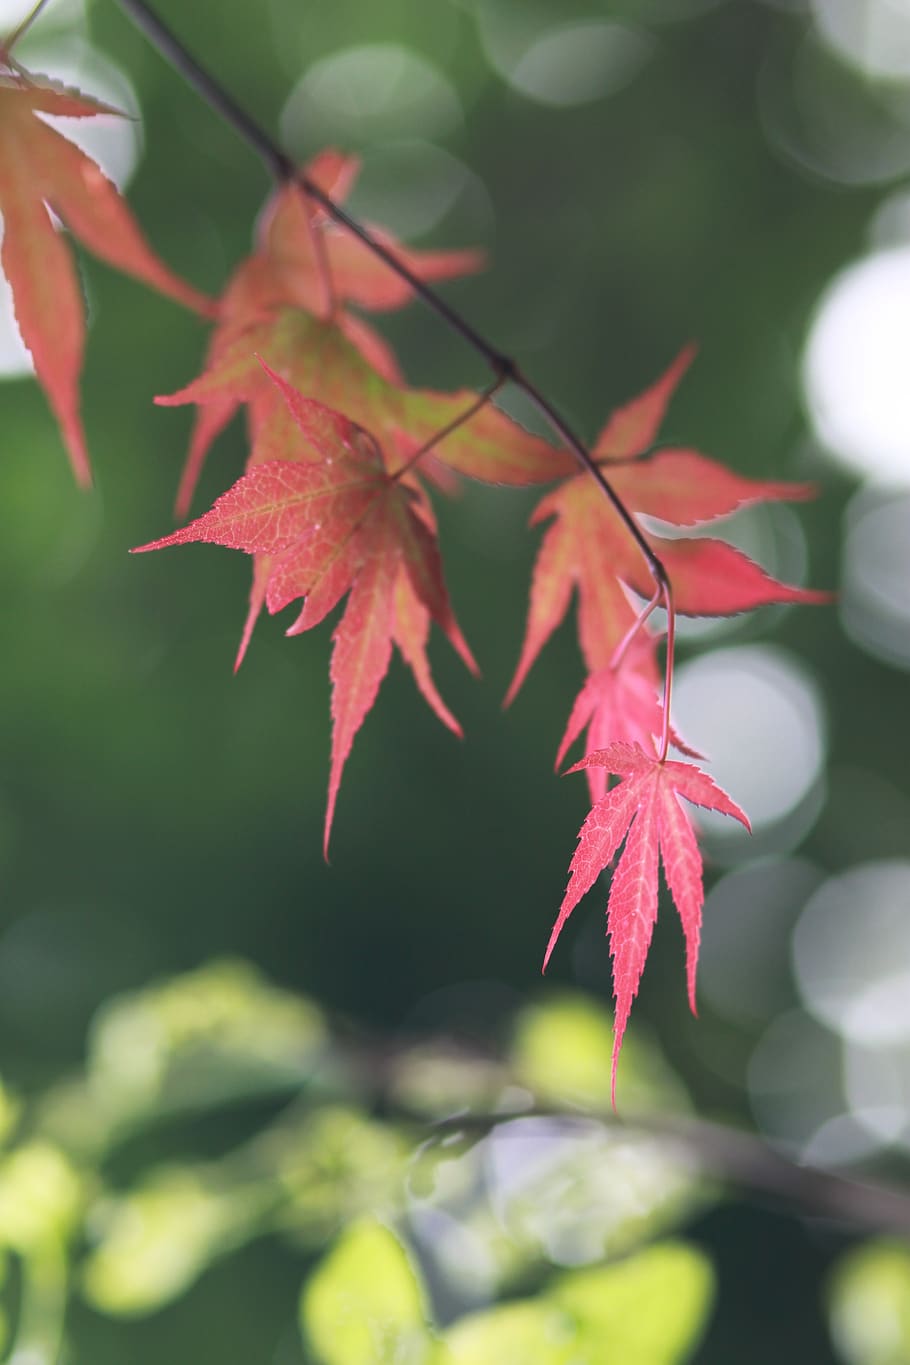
<point x="875" y="608"/>
<point x="563" y="64"/>
<point x="411" y="186"/>
<point x="757" y="714"/>
<point x="794" y="1079"/>
<point x="744" y="959"/>
<point x="839" y="1141"/>
<point x="877" y="1083"/>
<point x="15" y="358"/>
<point x="12" y="13"/>
<point x="115" y="143"/>
<point x="873" y="35"/>
<point x="855" y="371"/>
<point x="890" y="225"/>
<point x="674" y="11"/>
<point x="578" y="1190"/>
<point x="580" y="62"/>
<point x="769" y="533"/>
<point x="368" y="93"/>
<point x="867" y="1304"/>
<point x="851" y="953"/>
<point x="827" y="120"/>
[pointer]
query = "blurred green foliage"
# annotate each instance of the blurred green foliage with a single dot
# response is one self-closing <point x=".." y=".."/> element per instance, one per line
<point x="870" y="1305"/>
<point x="92" y="1206"/>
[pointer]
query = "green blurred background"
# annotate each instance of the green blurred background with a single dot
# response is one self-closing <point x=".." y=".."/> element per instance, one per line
<point x="642" y="173"/>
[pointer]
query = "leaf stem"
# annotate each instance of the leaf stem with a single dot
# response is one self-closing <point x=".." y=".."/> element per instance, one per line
<point x="619" y="652"/>
<point x="480" y="401"/>
<point x="282" y="168"/>
<point x="668" y="667"/>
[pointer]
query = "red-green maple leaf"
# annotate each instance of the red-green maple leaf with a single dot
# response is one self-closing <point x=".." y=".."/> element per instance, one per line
<point x="305" y="261"/>
<point x="340" y="523"/>
<point x="318" y="263"/>
<point x="316" y="358"/>
<point x="588" y="549"/>
<point x="40" y="169"/>
<point x="645" y="813"/>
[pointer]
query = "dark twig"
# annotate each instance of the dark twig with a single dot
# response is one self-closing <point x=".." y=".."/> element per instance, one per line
<point x="730" y="1154"/>
<point x="481" y="401"/>
<point x="22" y="28"/>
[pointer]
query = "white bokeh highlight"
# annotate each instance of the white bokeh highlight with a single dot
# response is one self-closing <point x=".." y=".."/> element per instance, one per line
<point x="855" y="368"/>
<point x="851" y="953"/>
<point x="875" y="604"/>
<point x="757" y="714"/>
<point x="367" y="94"/>
<point x="873" y="35"/>
<point x="578" y="63"/>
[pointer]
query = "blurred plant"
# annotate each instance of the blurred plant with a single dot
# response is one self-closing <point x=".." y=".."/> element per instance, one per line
<point x="523" y="1201"/>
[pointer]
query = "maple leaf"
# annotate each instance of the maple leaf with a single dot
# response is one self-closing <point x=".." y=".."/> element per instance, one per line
<point x="41" y="169"/>
<point x="303" y="260"/>
<point x="340" y="524"/>
<point x="587" y="548"/>
<point x="644" y="812"/>
<point x="312" y="256"/>
<point x="316" y="357"/>
<point x="620" y="703"/>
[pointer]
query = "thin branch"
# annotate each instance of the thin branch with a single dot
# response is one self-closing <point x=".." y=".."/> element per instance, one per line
<point x="282" y="168"/>
<point x="472" y="410"/>
<point x="741" y="1158"/>
<point x="668" y="668"/>
<point x="21" y="28"/>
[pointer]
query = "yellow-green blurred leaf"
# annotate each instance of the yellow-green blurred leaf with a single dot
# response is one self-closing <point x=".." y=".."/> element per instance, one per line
<point x="870" y="1305"/>
<point x="200" y="1039"/>
<point x="532" y="1332"/>
<point x="648" y="1310"/>
<point x="365" y="1306"/>
<point x="335" y="1165"/>
<point x="561" y="1050"/>
<point x="40" y="1198"/>
<point x="157" y="1240"/>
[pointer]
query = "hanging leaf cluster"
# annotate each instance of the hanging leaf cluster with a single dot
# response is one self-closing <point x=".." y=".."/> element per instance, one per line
<point x="344" y="460"/>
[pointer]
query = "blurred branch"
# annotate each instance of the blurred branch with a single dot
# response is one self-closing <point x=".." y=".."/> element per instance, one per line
<point x="741" y="1158"/>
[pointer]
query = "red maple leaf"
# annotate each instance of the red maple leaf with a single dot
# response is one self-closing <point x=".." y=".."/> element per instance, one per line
<point x="305" y="261"/>
<point x="341" y="523"/>
<point x="645" y="812"/>
<point x="316" y="357"/>
<point x="588" y="548"/>
<point x="620" y="704"/>
<point x="41" y="169"/>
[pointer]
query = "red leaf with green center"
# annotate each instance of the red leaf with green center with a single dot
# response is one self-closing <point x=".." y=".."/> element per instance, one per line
<point x="316" y="357"/>
<point x="643" y="813"/>
<point x="305" y="261"/>
<point x="41" y="169"/>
